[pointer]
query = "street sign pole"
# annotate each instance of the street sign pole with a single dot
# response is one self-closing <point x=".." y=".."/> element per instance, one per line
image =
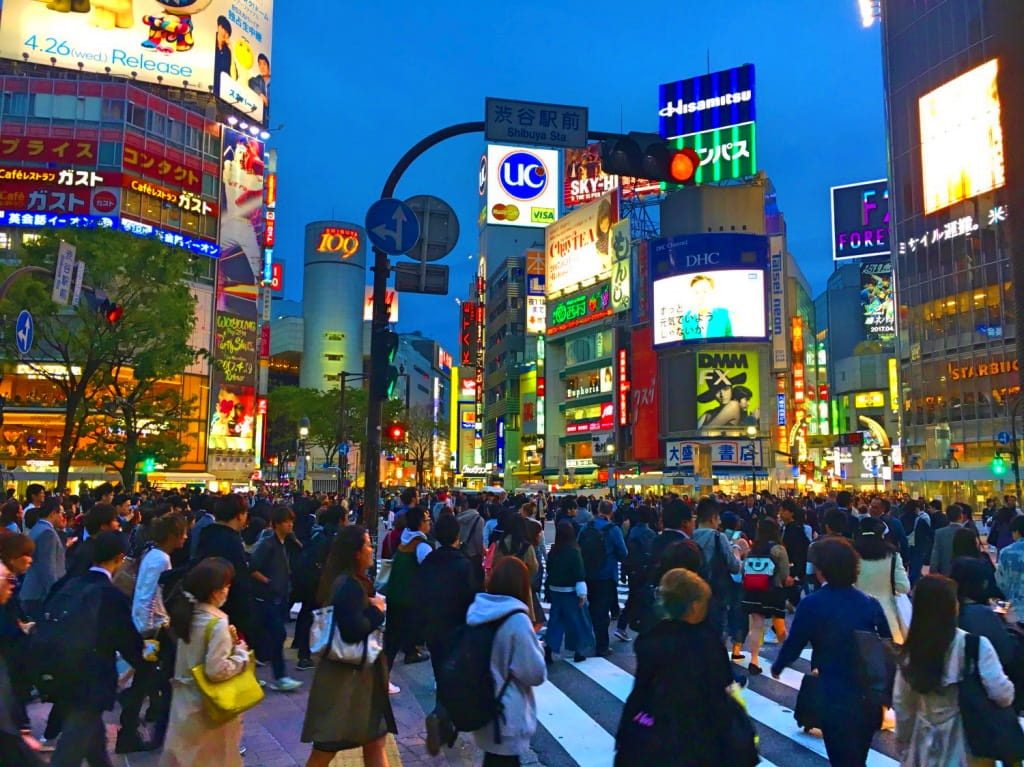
<point x="379" y="323"/>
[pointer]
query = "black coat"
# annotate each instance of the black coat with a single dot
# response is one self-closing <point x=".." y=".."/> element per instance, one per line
<point x="794" y="539"/>
<point x="219" y="540"/>
<point x="687" y="695"/>
<point x="117" y="634"/>
<point x="447" y="591"/>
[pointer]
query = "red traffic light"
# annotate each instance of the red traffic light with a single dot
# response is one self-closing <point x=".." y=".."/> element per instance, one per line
<point x="114" y="313"/>
<point x="683" y="165"/>
<point x="396" y="432"/>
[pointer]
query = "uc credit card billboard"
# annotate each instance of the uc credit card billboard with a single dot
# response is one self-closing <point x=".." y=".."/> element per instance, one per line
<point x="520" y="185"/>
<point x="200" y="45"/>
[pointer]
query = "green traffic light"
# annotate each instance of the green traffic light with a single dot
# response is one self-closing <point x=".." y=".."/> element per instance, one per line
<point x="149" y="466"/>
<point x="998" y="466"/>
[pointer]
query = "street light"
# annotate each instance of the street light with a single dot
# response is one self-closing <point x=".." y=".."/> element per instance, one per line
<point x="752" y="436"/>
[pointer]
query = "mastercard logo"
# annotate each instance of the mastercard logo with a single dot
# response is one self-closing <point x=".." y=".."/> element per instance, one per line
<point x="502" y="212"/>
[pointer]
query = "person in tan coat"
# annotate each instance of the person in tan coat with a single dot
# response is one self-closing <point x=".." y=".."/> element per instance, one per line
<point x="192" y="739"/>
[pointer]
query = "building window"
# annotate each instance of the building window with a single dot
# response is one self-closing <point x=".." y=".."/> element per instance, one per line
<point x="110" y="154"/>
<point x="112" y="111"/>
<point x="136" y="116"/>
<point x="5" y="241"/>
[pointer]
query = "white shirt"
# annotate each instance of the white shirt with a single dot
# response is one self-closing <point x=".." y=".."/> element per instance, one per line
<point x="148" y="611"/>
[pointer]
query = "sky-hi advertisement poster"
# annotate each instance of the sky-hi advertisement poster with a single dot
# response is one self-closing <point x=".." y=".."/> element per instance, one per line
<point x="221" y="46"/>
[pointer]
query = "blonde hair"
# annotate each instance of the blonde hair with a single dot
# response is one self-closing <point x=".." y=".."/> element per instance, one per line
<point x="681" y="588"/>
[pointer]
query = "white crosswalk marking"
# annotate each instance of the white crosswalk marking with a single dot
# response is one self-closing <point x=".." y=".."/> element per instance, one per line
<point x="587" y="742"/>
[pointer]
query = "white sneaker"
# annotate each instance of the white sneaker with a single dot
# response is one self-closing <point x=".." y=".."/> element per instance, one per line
<point x="285" y="684"/>
<point x="393" y="689"/>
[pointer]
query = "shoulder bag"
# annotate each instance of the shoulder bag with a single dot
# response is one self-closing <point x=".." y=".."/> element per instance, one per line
<point x="904" y="607"/>
<point x="223" y="701"/>
<point x="325" y="640"/>
<point x="993" y="732"/>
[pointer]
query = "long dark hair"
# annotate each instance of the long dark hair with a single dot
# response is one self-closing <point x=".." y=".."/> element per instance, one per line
<point x="965" y="543"/>
<point x="932" y="629"/>
<point x="341" y="560"/>
<point x="210" y="575"/>
<point x="565" y="537"/>
<point x="870" y="540"/>
<point x="767" y="535"/>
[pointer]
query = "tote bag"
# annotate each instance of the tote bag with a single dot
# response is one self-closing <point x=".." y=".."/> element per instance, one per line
<point x="904" y="607"/>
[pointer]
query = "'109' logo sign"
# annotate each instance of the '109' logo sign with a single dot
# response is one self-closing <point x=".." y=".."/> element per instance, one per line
<point x="344" y="242"/>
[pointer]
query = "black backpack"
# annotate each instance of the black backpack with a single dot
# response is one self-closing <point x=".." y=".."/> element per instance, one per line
<point x="465" y="686"/>
<point x="716" y="570"/>
<point x="638" y="558"/>
<point x="66" y="637"/>
<point x="593" y="548"/>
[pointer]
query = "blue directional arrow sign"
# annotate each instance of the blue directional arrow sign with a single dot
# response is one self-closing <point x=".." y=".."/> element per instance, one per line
<point x="392" y="226"/>
<point x="1003" y="438"/>
<point x="24" y="331"/>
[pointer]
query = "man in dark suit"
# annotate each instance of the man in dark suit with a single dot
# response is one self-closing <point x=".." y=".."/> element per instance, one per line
<point x="223" y="539"/>
<point x="677" y="520"/>
<point x="942" y="548"/>
<point x="95" y="690"/>
<point x="48" y="562"/>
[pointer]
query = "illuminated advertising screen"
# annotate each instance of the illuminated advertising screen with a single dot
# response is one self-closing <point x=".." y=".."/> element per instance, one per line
<point x="585" y="181"/>
<point x="578" y="246"/>
<point x="391" y="299"/>
<point x="709" y="287"/>
<point x="962" y="138"/>
<point x="860" y="220"/>
<point x="728" y="394"/>
<point x="877" y="302"/>
<point x="520" y="185"/>
<point x="697" y="104"/>
<point x="219" y="46"/>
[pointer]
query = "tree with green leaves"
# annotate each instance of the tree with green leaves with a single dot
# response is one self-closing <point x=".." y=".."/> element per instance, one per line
<point x="109" y="371"/>
<point x="420" y="441"/>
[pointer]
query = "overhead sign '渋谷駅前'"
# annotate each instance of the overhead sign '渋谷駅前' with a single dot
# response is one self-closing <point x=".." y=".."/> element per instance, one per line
<point x="527" y="122"/>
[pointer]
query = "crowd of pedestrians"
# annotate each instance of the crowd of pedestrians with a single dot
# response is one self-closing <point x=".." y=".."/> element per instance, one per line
<point x="154" y="602"/>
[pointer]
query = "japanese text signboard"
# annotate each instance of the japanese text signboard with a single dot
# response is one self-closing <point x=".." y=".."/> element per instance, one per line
<point x="48" y="150"/>
<point x="725" y="153"/>
<point x="526" y="122"/>
<point x="724" y="453"/>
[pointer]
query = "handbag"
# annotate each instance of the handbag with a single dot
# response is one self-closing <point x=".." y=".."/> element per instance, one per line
<point x="993" y="731"/>
<point x="877" y="666"/>
<point x="325" y="640"/>
<point x="904" y="607"/>
<point x="380" y="585"/>
<point x="223" y="701"/>
<point x="809" y="702"/>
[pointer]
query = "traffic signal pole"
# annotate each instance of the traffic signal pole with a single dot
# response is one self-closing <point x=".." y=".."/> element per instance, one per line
<point x="381" y="271"/>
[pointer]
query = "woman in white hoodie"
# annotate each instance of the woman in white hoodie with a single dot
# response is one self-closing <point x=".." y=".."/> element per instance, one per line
<point x="516" y="655"/>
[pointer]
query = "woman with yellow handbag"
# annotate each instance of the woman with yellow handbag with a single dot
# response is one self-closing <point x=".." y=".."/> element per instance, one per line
<point x="206" y="726"/>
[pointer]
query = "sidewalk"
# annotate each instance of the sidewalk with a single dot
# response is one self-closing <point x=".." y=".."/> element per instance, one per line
<point x="272" y="729"/>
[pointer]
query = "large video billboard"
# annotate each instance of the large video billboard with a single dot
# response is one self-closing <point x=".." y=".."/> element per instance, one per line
<point x="860" y="220"/>
<point x="221" y="46"/>
<point x="877" y="302"/>
<point x="727" y="390"/>
<point x="962" y="138"/>
<point x="709" y="287"/>
<point x="578" y="246"/>
<point x="520" y="185"/>
<point x="233" y="384"/>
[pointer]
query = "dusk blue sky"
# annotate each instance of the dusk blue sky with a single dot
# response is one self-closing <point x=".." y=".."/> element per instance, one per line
<point x="356" y="84"/>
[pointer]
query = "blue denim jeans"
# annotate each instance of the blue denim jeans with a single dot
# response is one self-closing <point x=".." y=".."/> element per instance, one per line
<point x="565" y="619"/>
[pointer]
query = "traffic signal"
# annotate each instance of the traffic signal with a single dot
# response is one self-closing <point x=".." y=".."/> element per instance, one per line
<point x="647" y="155"/>
<point x="148" y="465"/>
<point x="998" y="465"/>
<point x="111" y="312"/>
<point x="384" y="370"/>
<point x="396" y="432"/>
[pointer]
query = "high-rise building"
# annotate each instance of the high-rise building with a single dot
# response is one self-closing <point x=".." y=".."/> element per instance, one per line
<point x="118" y="125"/>
<point x="952" y="73"/>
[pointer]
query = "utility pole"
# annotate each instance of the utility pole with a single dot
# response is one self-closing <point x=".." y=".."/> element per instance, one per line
<point x="342" y="443"/>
